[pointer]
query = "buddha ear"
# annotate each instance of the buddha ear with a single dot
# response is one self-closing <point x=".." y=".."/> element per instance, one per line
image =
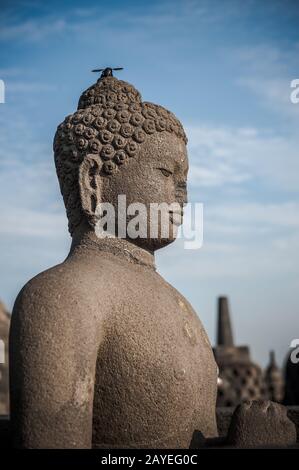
<point x="89" y="183"/>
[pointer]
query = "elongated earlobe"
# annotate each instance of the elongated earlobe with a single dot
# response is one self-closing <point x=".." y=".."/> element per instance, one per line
<point x="89" y="184"/>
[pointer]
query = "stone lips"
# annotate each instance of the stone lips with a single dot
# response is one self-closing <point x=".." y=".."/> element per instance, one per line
<point x="112" y="122"/>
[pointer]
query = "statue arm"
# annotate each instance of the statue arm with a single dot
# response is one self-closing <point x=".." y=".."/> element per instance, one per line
<point x="51" y="372"/>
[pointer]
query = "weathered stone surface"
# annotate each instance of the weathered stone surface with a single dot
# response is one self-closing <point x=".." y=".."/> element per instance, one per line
<point x="261" y="424"/>
<point x="223" y="415"/>
<point x="105" y="352"/>
<point x="4" y="330"/>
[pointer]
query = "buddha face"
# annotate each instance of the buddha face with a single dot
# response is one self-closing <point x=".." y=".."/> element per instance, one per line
<point x="155" y="178"/>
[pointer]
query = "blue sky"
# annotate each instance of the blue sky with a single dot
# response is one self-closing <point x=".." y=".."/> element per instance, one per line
<point x="224" y="68"/>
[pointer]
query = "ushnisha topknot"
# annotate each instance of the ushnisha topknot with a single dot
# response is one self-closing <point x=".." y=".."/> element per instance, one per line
<point x="107" y="91"/>
<point x="112" y="121"/>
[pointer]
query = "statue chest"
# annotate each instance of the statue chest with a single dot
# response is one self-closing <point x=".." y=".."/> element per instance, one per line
<point x="154" y="369"/>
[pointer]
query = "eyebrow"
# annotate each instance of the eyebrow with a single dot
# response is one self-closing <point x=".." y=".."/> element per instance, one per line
<point x="182" y="161"/>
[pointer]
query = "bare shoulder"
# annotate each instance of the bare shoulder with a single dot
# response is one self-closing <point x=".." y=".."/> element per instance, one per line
<point x="59" y="294"/>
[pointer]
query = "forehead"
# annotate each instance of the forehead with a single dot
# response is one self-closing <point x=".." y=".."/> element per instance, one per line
<point x="168" y="148"/>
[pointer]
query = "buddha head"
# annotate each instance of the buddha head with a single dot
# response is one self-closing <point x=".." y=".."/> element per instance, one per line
<point x="116" y="144"/>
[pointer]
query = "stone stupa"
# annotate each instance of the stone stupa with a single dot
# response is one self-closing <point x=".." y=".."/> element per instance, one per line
<point x="239" y="379"/>
<point x="274" y="382"/>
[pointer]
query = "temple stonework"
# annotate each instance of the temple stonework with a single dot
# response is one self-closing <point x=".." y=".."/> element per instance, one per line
<point x="239" y="378"/>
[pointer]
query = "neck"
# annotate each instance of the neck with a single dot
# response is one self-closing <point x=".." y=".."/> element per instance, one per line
<point x="85" y="239"/>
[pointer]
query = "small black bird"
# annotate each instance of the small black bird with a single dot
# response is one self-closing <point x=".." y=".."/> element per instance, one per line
<point x="108" y="71"/>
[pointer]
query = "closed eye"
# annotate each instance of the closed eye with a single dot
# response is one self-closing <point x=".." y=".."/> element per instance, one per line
<point x="165" y="172"/>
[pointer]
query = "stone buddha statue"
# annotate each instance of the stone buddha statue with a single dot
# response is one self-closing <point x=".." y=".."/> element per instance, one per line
<point x="105" y="352"/>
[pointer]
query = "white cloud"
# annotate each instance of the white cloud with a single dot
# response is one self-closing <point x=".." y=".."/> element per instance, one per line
<point x="20" y="222"/>
<point x="224" y="174"/>
<point x="274" y="92"/>
<point x="177" y="16"/>
<point x="283" y="214"/>
<point x="33" y="30"/>
<point x="231" y="156"/>
<point x="30" y="203"/>
<point x="10" y="72"/>
<point x="269" y="72"/>
<point x="29" y="87"/>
